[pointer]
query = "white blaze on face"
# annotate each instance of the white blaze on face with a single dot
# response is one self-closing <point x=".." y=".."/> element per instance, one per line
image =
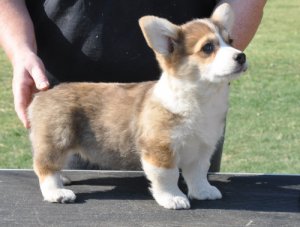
<point x="225" y="62"/>
<point x="224" y="66"/>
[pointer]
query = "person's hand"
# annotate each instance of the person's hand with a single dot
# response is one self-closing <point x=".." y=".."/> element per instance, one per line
<point x="28" y="78"/>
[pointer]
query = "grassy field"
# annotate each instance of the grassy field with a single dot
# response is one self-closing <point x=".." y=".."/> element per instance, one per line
<point x="263" y="130"/>
<point x="263" y="124"/>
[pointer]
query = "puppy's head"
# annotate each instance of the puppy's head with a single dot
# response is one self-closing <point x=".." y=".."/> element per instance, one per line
<point x="199" y="50"/>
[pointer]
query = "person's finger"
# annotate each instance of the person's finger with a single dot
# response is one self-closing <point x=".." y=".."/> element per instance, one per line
<point x="23" y="89"/>
<point x="22" y="115"/>
<point x="37" y="72"/>
<point x="22" y="96"/>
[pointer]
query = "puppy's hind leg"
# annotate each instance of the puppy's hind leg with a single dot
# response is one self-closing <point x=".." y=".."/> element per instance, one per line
<point x="47" y="168"/>
<point x="53" y="191"/>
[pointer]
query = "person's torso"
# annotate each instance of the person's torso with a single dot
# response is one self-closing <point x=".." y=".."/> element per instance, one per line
<point x="100" y="40"/>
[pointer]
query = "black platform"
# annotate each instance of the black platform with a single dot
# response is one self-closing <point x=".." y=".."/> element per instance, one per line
<point x="122" y="199"/>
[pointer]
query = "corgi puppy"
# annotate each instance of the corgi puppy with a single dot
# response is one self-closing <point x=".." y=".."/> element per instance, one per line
<point x="162" y="126"/>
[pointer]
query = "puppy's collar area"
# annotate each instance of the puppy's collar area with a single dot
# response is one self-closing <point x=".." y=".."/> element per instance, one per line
<point x="182" y="96"/>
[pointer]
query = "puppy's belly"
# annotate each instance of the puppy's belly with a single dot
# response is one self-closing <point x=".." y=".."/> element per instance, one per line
<point x="109" y="159"/>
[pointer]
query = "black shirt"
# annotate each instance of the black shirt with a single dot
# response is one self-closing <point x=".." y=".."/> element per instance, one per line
<point x="100" y="40"/>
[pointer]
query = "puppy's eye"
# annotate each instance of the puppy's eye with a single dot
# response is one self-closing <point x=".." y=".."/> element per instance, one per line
<point x="208" y="48"/>
<point x="230" y="41"/>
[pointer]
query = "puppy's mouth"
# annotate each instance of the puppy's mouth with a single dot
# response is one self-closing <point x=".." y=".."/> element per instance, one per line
<point x="236" y="73"/>
<point x="241" y="69"/>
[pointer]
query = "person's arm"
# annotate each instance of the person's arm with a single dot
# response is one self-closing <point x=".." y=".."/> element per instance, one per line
<point x="17" y="38"/>
<point x="248" y="15"/>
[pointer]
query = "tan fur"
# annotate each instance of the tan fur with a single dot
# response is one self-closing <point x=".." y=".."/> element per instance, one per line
<point x="154" y="136"/>
<point x="78" y="116"/>
<point x="171" y="63"/>
<point x="193" y="31"/>
<point x="82" y="116"/>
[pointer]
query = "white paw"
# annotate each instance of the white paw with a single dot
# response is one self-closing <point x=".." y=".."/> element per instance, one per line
<point x="59" y="196"/>
<point x="208" y="192"/>
<point x="171" y="201"/>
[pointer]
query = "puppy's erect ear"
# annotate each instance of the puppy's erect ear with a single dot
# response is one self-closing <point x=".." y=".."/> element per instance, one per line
<point x="224" y="16"/>
<point x="161" y="35"/>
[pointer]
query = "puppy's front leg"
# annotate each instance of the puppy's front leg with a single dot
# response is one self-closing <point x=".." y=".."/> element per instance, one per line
<point x="164" y="186"/>
<point x="195" y="175"/>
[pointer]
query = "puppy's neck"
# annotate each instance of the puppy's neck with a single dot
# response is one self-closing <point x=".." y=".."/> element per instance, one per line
<point x="183" y="96"/>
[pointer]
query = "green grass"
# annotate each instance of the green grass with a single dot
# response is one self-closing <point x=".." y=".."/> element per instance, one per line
<point x="14" y="145"/>
<point x="263" y="124"/>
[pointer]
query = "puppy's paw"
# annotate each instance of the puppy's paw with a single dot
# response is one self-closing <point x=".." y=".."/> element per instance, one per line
<point x="170" y="201"/>
<point x="206" y="193"/>
<point x="59" y="196"/>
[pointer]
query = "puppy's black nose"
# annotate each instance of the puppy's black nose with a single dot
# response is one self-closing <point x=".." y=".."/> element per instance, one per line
<point x="240" y="58"/>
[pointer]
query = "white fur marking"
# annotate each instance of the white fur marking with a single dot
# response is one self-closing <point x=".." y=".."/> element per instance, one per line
<point x="164" y="188"/>
<point x="224" y="67"/>
<point x="53" y="191"/>
<point x="176" y="95"/>
<point x="195" y="175"/>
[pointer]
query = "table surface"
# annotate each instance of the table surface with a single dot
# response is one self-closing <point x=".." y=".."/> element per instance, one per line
<point x="108" y="198"/>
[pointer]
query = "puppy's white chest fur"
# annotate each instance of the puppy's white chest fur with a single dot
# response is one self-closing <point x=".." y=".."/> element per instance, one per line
<point x="202" y="107"/>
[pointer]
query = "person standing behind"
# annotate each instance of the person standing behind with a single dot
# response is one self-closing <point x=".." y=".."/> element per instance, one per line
<point x="49" y="42"/>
